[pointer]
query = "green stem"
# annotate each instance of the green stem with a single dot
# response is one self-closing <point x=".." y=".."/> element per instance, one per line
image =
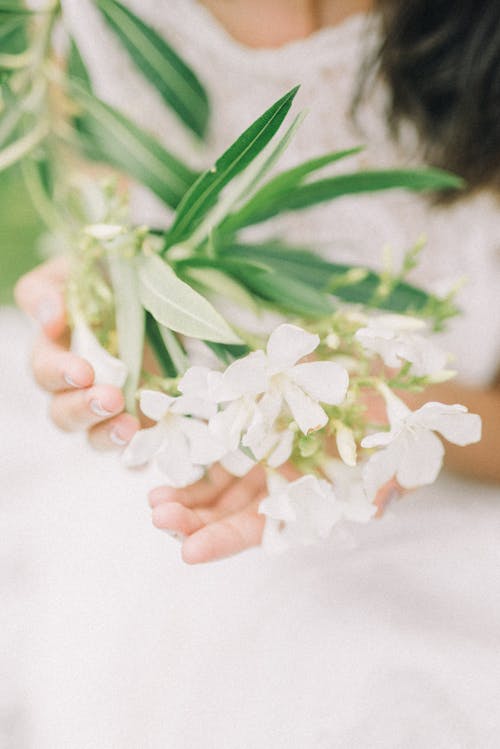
<point x="160" y="351"/>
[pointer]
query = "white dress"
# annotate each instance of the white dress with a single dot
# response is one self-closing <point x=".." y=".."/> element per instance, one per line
<point x="389" y="637"/>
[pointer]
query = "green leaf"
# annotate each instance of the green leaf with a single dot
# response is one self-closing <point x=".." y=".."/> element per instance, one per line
<point x="77" y="69"/>
<point x="17" y="7"/>
<point x="226" y="353"/>
<point x="111" y="137"/>
<point x="24" y="145"/>
<point x="285" y="181"/>
<point x="219" y="283"/>
<point x="298" y="197"/>
<point x="176" y="352"/>
<point x="289" y="294"/>
<point x="171" y="76"/>
<point x="129" y="316"/>
<point x="244" y="184"/>
<point x="204" y="193"/>
<point x="176" y="305"/>
<point x="157" y="343"/>
<point x="349" y="283"/>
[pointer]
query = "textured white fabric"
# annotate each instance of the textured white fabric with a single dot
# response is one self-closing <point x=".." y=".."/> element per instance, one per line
<point x="387" y="638"/>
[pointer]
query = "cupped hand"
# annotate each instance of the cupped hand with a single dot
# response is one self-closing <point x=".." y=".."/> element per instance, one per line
<point x="218" y="516"/>
<point x="77" y="403"/>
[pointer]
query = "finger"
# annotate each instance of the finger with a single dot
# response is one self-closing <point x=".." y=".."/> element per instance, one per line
<point x="40" y="294"/>
<point x="113" y="433"/>
<point x="203" y="492"/>
<point x="56" y="369"/>
<point x="174" y="517"/>
<point x="225" y="537"/>
<point x="240" y="493"/>
<point x="82" y="409"/>
<point x="235" y="498"/>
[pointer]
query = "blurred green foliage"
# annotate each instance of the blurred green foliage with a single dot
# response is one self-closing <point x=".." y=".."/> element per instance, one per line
<point x="20" y="228"/>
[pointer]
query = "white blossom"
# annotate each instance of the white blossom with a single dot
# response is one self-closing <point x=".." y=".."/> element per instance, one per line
<point x="354" y="502"/>
<point x="298" y="512"/>
<point x="395" y="338"/>
<point x="277" y="373"/>
<point x="107" y="369"/>
<point x="412" y="452"/>
<point x="180" y="445"/>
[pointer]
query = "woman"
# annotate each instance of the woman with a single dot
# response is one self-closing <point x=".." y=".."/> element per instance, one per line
<point x="349" y="624"/>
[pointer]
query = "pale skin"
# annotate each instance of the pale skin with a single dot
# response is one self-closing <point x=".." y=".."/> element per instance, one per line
<point x="218" y="516"/>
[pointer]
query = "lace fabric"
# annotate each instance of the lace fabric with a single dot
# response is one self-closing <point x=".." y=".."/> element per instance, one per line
<point x="463" y="240"/>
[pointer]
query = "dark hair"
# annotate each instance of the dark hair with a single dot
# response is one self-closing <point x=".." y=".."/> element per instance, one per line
<point x="441" y="60"/>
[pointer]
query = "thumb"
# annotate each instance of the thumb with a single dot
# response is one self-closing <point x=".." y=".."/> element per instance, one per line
<point x="40" y="293"/>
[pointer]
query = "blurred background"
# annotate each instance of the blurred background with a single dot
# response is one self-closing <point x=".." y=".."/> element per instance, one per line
<point x="20" y="230"/>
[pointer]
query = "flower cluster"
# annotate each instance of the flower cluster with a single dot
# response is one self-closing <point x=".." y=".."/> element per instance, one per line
<point x="286" y="403"/>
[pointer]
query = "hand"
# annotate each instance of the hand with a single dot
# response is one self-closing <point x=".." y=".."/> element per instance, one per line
<point x="76" y="402"/>
<point x="218" y="516"/>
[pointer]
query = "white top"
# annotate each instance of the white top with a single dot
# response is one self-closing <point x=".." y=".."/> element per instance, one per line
<point x="463" y="240"/>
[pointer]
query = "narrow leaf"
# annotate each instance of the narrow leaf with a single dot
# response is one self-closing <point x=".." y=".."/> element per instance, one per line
<point x="296" y="198"/>
<point x="219" y="283"/>
<point x="113" y="138"/>
<point x="313" y="270"/>
<point x="77" y="69"/>
<point x="244" y="184"/>
<point x="177" y="354"/>
<point x="176" y="305"/>
<point x="157" y="344"/>
<point x="289" y="294"/>
<point x="129" y="322"/>
<point x="24" y="145"/>
<point x="204" y="193"/>
<point x="171" y="76"/>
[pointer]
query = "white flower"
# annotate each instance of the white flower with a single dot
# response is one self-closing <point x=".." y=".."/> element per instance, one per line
<point x="354" y="503"/>
<point x="107" y="369"/>
<point x="395" y="340"/>
<point x="181" y="446"/>
<point x="297" y="512"/>
<point x="412" y="452"/>
<point x="301" y="386"/>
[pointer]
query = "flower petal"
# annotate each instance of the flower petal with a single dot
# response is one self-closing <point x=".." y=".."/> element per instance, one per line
<point x="324" y="381"/>
<point x="287" y="344"/>
<point x="191" y="405"/>
<point x="379" y="468"/>
<point x="108" y="370"/>
<point x="246" y="376"/>
<point x="175" y="463"/>
<point x="397" y="411"/>
<point x="143" y="446"/>
<point x="204" y="449"/>
<point x="455" y="423"/>
<point x="229" y="423"/>
<point x="155" y="405"/>
<point x="266" y="412"/>
<point x="307" y="413"/>
<point x="421" y="458"/>
<point x="237" y="463"/>
<point x="282" y="450"/>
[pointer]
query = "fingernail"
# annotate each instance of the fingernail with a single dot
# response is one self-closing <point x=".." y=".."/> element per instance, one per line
<point x="70" y="381"/>
<point x="174" y="534"/>
<point x="97" y="408"/>
<point x="117" y="439"/>
<point x="47" y="311"/>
